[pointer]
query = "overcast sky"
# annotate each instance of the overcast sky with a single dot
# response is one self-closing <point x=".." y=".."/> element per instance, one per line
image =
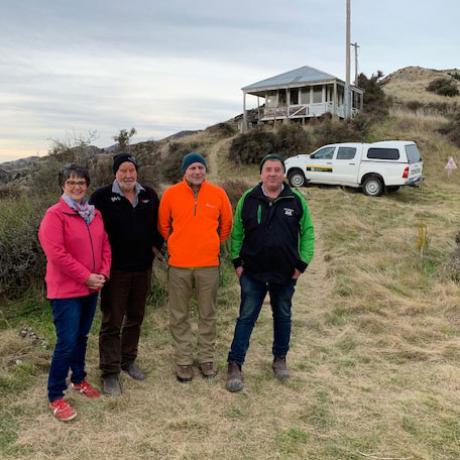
<point x="68" y="67"/>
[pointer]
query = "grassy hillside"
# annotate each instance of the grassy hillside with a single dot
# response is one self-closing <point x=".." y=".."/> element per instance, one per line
<point x="375" y="350"/>
<point x="409" y="84"/>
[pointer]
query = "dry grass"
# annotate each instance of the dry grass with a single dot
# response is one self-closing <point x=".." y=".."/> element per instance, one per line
<point x="375" y="350"/>
<point x="409" y="84"/>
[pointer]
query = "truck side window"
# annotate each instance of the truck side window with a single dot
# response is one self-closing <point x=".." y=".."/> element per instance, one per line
<point x="325" y="153"/>
<point x="346" y="153"/>
<point x="379" y="153"/>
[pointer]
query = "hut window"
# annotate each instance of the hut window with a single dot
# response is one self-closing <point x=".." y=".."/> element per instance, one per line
<point x="317" y="94"/>
<point x="305" y="96"/>
<point x="271" y="99"/>
<point x="294" y="96"/>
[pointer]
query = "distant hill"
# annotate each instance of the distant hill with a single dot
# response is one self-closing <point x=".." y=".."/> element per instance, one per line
<point x="409" y="84"/>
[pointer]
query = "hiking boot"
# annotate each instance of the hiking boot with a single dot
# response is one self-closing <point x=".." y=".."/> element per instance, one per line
<point x="86" y="389"/>
<point x="184" y="373"/>
<point x="280" y="368"/>
<point x="134" y="372"/>
<point x="111" y="385"/>
<point x="62" y="410"/>
<point x="234" y="377"/>
<point x="207" y="370"/>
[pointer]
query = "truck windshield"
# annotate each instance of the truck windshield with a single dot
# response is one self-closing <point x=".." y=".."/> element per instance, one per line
<point x="413" y="155"/>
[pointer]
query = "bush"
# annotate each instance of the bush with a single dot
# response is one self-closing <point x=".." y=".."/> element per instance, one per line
<point x="333" y="131"/>
<point x="234" y="189"/>
<point x="22" y="261"/>
<point x="376" y="103"/>
<point x="443" y="87"/>
<point x="170" y="166"/>
<point x="455" y="75"/>
<point x="452" y="128"/>
<point x="250" y="148"/>
<point x="292" y="139"/>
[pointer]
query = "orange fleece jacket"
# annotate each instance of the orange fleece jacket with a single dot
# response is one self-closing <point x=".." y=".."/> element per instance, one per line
<point x="194" y="228"/>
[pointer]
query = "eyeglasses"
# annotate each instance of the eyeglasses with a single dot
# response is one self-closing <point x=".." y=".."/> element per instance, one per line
<point x="74" y="183"/>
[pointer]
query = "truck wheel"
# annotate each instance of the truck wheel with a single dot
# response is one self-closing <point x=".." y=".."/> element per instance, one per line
<point x="373" y="186"/>
<point x="392" y="188"/>
<point x="296" y="178"/>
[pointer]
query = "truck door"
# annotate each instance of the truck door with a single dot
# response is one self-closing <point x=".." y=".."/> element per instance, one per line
<point x="319" y="167"/>
<point x="346" y="165"/>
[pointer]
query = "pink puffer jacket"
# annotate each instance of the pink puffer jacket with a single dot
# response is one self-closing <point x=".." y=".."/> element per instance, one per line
<point x="73" y="251"/>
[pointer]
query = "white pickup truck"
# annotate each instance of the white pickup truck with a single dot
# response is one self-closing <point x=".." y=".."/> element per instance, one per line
<point x="377" y="167"/>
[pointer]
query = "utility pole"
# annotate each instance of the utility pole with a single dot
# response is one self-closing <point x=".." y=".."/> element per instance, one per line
<point x="356" y="46"/>
<point x="346" y="96"/>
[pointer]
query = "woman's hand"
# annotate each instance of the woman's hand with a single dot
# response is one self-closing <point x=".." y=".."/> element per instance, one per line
<point x="95" y="281"/>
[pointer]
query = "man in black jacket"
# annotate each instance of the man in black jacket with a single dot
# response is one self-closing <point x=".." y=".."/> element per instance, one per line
<point x="272" y="245"/>
<point x="130" y="213"/>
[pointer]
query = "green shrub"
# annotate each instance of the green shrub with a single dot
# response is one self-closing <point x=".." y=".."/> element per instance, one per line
<point x="375" y="104"/>
<point x="452" y="128"/>
<point x="443" y="87"/>
<point x="170" y="166"/>
<point x="292" y="139"/>
<point x="455" y="75"/>
<point x="22" y="261"/>
<point x="331" y="131"/>
<point x="235" y="189"/>
<point x="250" y="148"/>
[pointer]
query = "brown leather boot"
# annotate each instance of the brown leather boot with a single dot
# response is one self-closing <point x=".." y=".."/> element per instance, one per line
<point x="208" y="370"/>
<point x="279" y="367"/>
<point x="184" y="373"/>
<point x="234" y="377"/>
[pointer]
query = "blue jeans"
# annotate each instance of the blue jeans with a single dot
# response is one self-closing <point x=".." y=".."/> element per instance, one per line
<point x="72" y="319"/>
<point x="253" y="293"/>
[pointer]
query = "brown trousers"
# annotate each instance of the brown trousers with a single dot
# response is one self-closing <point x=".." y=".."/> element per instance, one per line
<point x="123" y="305"/>
<point x="181" y="282"/>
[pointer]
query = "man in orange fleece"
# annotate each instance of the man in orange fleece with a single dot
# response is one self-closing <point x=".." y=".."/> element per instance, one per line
<point x="195" y="217"/>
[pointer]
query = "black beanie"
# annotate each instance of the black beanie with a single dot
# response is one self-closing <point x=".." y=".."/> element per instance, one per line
<point x="272" y="156"/>
<point x="121" y="158"/>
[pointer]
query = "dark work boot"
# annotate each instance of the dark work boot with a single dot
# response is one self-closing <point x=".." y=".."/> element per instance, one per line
<point x="111" y="385"/>
<point x="234" y="378"/>
<point x="280" y="368"/>
<point x="184" y="373"/>
<point x="134" y="372"/>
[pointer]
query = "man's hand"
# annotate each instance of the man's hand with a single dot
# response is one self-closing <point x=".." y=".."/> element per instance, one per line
<point x="239" y="272"/>
<point x="95" y="281"/>
<point x="296" y="274"/>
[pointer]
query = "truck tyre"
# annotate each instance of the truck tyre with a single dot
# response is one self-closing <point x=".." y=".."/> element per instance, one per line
<point x="373" y="186"/>
<point x="296" y="178"/>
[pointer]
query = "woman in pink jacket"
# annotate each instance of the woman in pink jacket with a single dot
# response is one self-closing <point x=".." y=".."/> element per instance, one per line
<point x="78" y="258"/>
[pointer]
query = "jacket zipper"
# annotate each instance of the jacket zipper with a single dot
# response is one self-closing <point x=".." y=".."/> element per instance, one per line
<point x="92" y="248"/>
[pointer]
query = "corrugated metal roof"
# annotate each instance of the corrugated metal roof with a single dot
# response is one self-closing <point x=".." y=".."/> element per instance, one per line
<point x="298" y="76"/>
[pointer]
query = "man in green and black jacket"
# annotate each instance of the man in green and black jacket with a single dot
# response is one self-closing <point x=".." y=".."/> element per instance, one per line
<point x="272" y="244"/>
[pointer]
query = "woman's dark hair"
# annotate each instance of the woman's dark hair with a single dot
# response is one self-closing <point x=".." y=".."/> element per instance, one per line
<point x="71" y="169"/>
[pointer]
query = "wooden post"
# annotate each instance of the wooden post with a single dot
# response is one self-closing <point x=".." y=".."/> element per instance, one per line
<point x="288" y="103"/>
<point x="334" y="100"/>
<point x="244" y="127"/>
<point x="258" y="110"/>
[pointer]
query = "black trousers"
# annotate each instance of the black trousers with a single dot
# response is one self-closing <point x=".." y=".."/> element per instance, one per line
<point x="123" y="306"/>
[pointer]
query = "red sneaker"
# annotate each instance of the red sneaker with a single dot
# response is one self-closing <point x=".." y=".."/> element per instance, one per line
<point x="86" y="389"/>
<point x="62" y="410"/>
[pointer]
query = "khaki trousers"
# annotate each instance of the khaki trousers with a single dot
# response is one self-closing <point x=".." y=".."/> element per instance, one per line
<point x="181" y="282"/>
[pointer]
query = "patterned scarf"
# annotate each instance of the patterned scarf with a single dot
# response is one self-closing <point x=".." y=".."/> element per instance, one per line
<point x="83" y="209"/>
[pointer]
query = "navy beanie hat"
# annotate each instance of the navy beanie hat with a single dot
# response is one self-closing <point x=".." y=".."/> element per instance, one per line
<point x="190" y="158"/>
<point x="121" y="158"/>
<point x="272" y="156"/>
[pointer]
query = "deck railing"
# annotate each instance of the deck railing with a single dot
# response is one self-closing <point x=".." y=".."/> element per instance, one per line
<point x="302" y="111"/>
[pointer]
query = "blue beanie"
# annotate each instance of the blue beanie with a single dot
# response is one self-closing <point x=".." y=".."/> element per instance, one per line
<point x="190" y="158"/>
